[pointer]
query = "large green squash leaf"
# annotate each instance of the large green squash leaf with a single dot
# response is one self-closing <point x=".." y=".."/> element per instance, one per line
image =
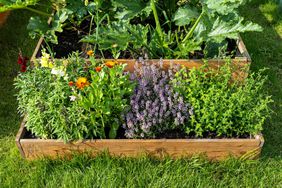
<point x="119" y="35"/>
<point x="222" y="30"/>
<point x="128" y="9"/>
<point x="223" y="7"/>
<point x="184" y="15"/>
<point x="41" y="28"/>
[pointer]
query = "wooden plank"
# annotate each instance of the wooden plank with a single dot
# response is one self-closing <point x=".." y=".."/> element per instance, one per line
<point x="243" y="50"/>
<point x="19" y="136"/>
<point x="240" y="67"/>
<point x="214" y="149"/>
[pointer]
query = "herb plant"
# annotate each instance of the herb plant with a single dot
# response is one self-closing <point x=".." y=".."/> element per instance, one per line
<point x="222" y="106"/>
<point x="106" y="98"/>
<point x="67" y="99"/>
<point x="155" y="109"/>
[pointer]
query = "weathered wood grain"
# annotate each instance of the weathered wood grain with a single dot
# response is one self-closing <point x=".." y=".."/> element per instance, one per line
<point x="213" y="149"/>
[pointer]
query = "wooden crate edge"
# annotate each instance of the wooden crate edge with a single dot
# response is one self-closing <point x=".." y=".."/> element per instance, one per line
<point x="20" y="136"/>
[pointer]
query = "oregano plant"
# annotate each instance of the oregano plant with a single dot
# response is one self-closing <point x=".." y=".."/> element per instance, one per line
<point x="223" y="106"/>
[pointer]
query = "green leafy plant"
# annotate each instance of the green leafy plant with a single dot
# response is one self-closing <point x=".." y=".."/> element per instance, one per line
<point x="67" y="13"/>
<point x="223" y="106"/>
<point x="106" y="99"/>
<point x="175" y="29"/>
<point x="67" y="99"/>
<point x="159" y="28"/>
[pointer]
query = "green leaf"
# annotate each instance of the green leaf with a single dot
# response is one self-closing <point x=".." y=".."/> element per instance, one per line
<point x="184" y="15"/>
<point x="185" y="48"/>
<point x="117" y="36"/>
<point x="223" y="7"/>
<point x="138" y="35"/>
<point x="77" y="7"/>
<point x="128" y="9"/>
<point x="37" y="26"/>
<point x="222" y="30"/>
<point x="214" y="49"/>
<point x="16" y="4"/>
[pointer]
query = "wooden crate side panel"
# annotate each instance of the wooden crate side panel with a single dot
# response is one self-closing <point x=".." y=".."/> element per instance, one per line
<point x="242" y="49"/>
<point x="240" y="67"/>
<point x="19" y="136"/>
<point x="213" y="149"/>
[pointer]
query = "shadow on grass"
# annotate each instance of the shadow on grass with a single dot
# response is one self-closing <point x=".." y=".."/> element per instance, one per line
<point x="13" y="36"/>
<point x="266" y="52"/>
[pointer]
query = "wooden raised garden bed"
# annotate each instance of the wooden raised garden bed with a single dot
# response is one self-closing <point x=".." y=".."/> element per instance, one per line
<point x="240" y="63"/>
<point x="213" y="149"/>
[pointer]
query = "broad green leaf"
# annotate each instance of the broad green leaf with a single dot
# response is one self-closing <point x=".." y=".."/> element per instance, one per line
<point x="222" y="30"/>
<point x="185" y="48"/>
<point x="184" y="15"/>
<point x="203" y="28"/>
<point x="223" y="7"/>
<point x="77" y="7"/>
<point x="213" y="49"/>
<point x="138" y="35"/>
<point x="118" y="36"/>
<point x="37" y="26"/>
<point x="128" y="9"/>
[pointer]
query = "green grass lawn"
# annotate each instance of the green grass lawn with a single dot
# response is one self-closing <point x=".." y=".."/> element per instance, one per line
<point x="104" y="171"/>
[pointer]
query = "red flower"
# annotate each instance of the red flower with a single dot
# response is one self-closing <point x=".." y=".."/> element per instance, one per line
<point x="23" y="68"/>
<point x="23" y="62"/>
<point x="98" y="69"/>
<point x="71" y="83"/>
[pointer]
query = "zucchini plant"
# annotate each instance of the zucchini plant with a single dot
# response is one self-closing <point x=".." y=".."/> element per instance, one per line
<point x="171" y="29"/>
<point x="157" y="28"/>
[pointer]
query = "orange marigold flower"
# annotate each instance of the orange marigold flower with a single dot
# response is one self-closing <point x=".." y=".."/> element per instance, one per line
<point x="90" y="52"/>
<point x="82" y="82"/>
<point x="71" y="83"/>
<point x="98" y="69"/>
<point x="110" y="64"/>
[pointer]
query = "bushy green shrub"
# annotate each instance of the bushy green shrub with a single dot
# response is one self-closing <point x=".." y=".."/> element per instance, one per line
<point x="69" y="100"/>
<point x="223" y="107"/>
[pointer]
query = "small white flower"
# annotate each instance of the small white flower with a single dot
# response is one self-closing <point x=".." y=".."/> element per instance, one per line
<point x="72" y="98"/>
<point x="58" y="72"/>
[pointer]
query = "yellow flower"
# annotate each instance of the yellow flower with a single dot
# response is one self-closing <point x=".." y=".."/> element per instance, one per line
<point x="65" y="63"/>
<point x="82" y="82"/>
<point x="90" y="52"/>
<point x="45" y="60"/>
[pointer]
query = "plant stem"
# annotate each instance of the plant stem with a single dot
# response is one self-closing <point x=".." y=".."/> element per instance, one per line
<point x="90" y="29"/>
<point x="189" y="35"/>
<point x="49" y="48"/>
<point x="38" y="12"/>
<point x="158" y="26"/>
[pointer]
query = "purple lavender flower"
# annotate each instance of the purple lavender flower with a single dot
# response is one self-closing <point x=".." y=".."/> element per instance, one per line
<point x="154" y="107"/>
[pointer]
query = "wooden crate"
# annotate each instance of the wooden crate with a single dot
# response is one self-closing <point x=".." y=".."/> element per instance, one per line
<point x="213" y="149"/>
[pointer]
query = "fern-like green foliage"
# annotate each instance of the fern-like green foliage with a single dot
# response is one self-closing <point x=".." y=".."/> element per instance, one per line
<point x="221" y="105"/>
